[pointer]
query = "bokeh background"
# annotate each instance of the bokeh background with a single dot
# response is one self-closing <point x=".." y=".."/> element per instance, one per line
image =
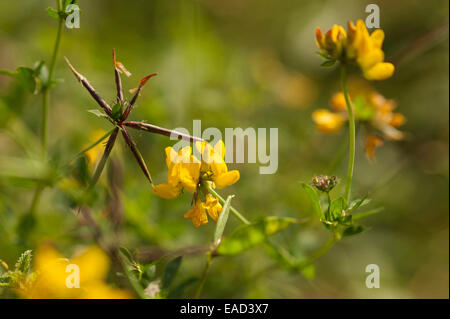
<point x="238" y="64"/>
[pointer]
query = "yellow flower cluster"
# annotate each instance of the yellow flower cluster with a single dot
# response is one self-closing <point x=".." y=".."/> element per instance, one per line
<point x="189" y="173"/>
<point x="359" y="46"/>
<point x="372" y="108"/>
<point x="51" y="277"/>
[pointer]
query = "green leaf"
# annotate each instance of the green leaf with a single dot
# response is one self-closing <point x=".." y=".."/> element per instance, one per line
<point x="98" y="113"/>
<point x="127" y="254"/>
<point x="309" y="271"/>
<point x="52" y="13"/>
<point x="8" y="73"/>
<point x="353" y="230"/>
<point x="367" y="214"/>
<point x="336" y="207"/>
<point x="314" y="197"/>
<point x="178" y="291"/>
<point x="171" y="271"/>
<point x="328" y="63"/>
<point x="248" y="236"/>
<point x="355" y="204"/>
<point x="223" y="218"/>
<point x="23" y="264"/>
<point x="117" y="111"/>
<point x="323" y="55"/>
<point x="26" y="78"/>
<point x="363" y="111"/>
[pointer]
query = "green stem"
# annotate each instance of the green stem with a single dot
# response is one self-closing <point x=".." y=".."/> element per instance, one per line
<point x="351" y="135"/>
<point x="45" y="106"/>
<point x="232" y="209"/>
<point x="321" y="251"/>
<point x="204" y="274"/>
<point x="46" y="88"/>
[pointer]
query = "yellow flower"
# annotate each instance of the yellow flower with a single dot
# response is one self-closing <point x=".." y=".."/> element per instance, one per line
<point x="333" y="42"/>
<point x="187" y="172"/>
<point x="359" y="46"/>
<point x="197" y="214"/>
<point x="184" y="172"/>
<point x="214" y="166"/>
<point x="327" y="121"/>
<point x="213" y="206"/>
<point x="52" y="276"/>
<point x="372" y="143"/>
<point x="338" y="103"/>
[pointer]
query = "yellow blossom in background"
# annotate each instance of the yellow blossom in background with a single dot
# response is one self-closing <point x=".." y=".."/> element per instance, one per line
<point x="372" y="143"/>
<point x="356" y="46"/>
<point x="94" y="153"/>
<point x="370" y="107"/>
<point x="326" y="121"/>
<point x="52" y="276"/>
<point x="189" y="173"/>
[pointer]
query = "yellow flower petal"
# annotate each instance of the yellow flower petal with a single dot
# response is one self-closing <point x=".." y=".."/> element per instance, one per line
<point x="380" y="71"/>
<point x="166" y="191"/>
<point x="327" y="121"/>
<point x="227" y="179"/>
<point x="93" y="263"/>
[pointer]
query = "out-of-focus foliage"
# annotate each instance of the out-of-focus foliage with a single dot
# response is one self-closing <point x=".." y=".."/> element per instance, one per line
<point x="231" y="64"/>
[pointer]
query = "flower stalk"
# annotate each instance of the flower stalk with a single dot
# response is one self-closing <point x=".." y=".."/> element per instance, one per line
<point x="351" y="135"/>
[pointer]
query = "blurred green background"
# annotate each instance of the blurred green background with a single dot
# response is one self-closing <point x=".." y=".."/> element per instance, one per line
<point x="238" y="64"/>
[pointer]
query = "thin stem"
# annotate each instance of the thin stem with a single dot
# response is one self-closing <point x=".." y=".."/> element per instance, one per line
<point x="163" y="131"/>
<point x="204" y="275"/>
<point x="45" y="89"/>
<point x="36" y="197"/>
<point x="321" y="251"/>
<point x="232" y="209"/>
<point x="351" y="134"/>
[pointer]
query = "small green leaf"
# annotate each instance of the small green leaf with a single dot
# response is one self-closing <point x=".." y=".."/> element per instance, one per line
<point x="117" y="111"/>
<point x="336" y="208"/>
<point x="314" y="197"/>
<point x="223" y="218"/>
<point x="367" y="214"/>
<point x="363" y="111"/>
<point x="346" y="220"/>
<point x="26" y="77"/>
<point x="309" y="271"/>
<point x="328" y="63"/>
<point x="355" y="204"/>
<point x="248" y="236"/>
<point x="127" y="254"/>
<point x="8" y="73"/>
<point x="52" y="13"/>
<point x="323" y="55"/>
<point x="171" y="271"/>
<point x="98" y="113"/>
<point x="23" y="264"/>
<point x="353" y="230"/>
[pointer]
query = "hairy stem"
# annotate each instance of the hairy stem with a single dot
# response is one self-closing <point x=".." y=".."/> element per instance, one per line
<point x="351" y="135"/>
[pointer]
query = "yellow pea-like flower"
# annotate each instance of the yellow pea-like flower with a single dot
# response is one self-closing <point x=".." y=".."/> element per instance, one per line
<point x="357" y="45"/>
<point x="327" y="121"/>
<point x="197" y="214"/>
<point x="50" y="276"/>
